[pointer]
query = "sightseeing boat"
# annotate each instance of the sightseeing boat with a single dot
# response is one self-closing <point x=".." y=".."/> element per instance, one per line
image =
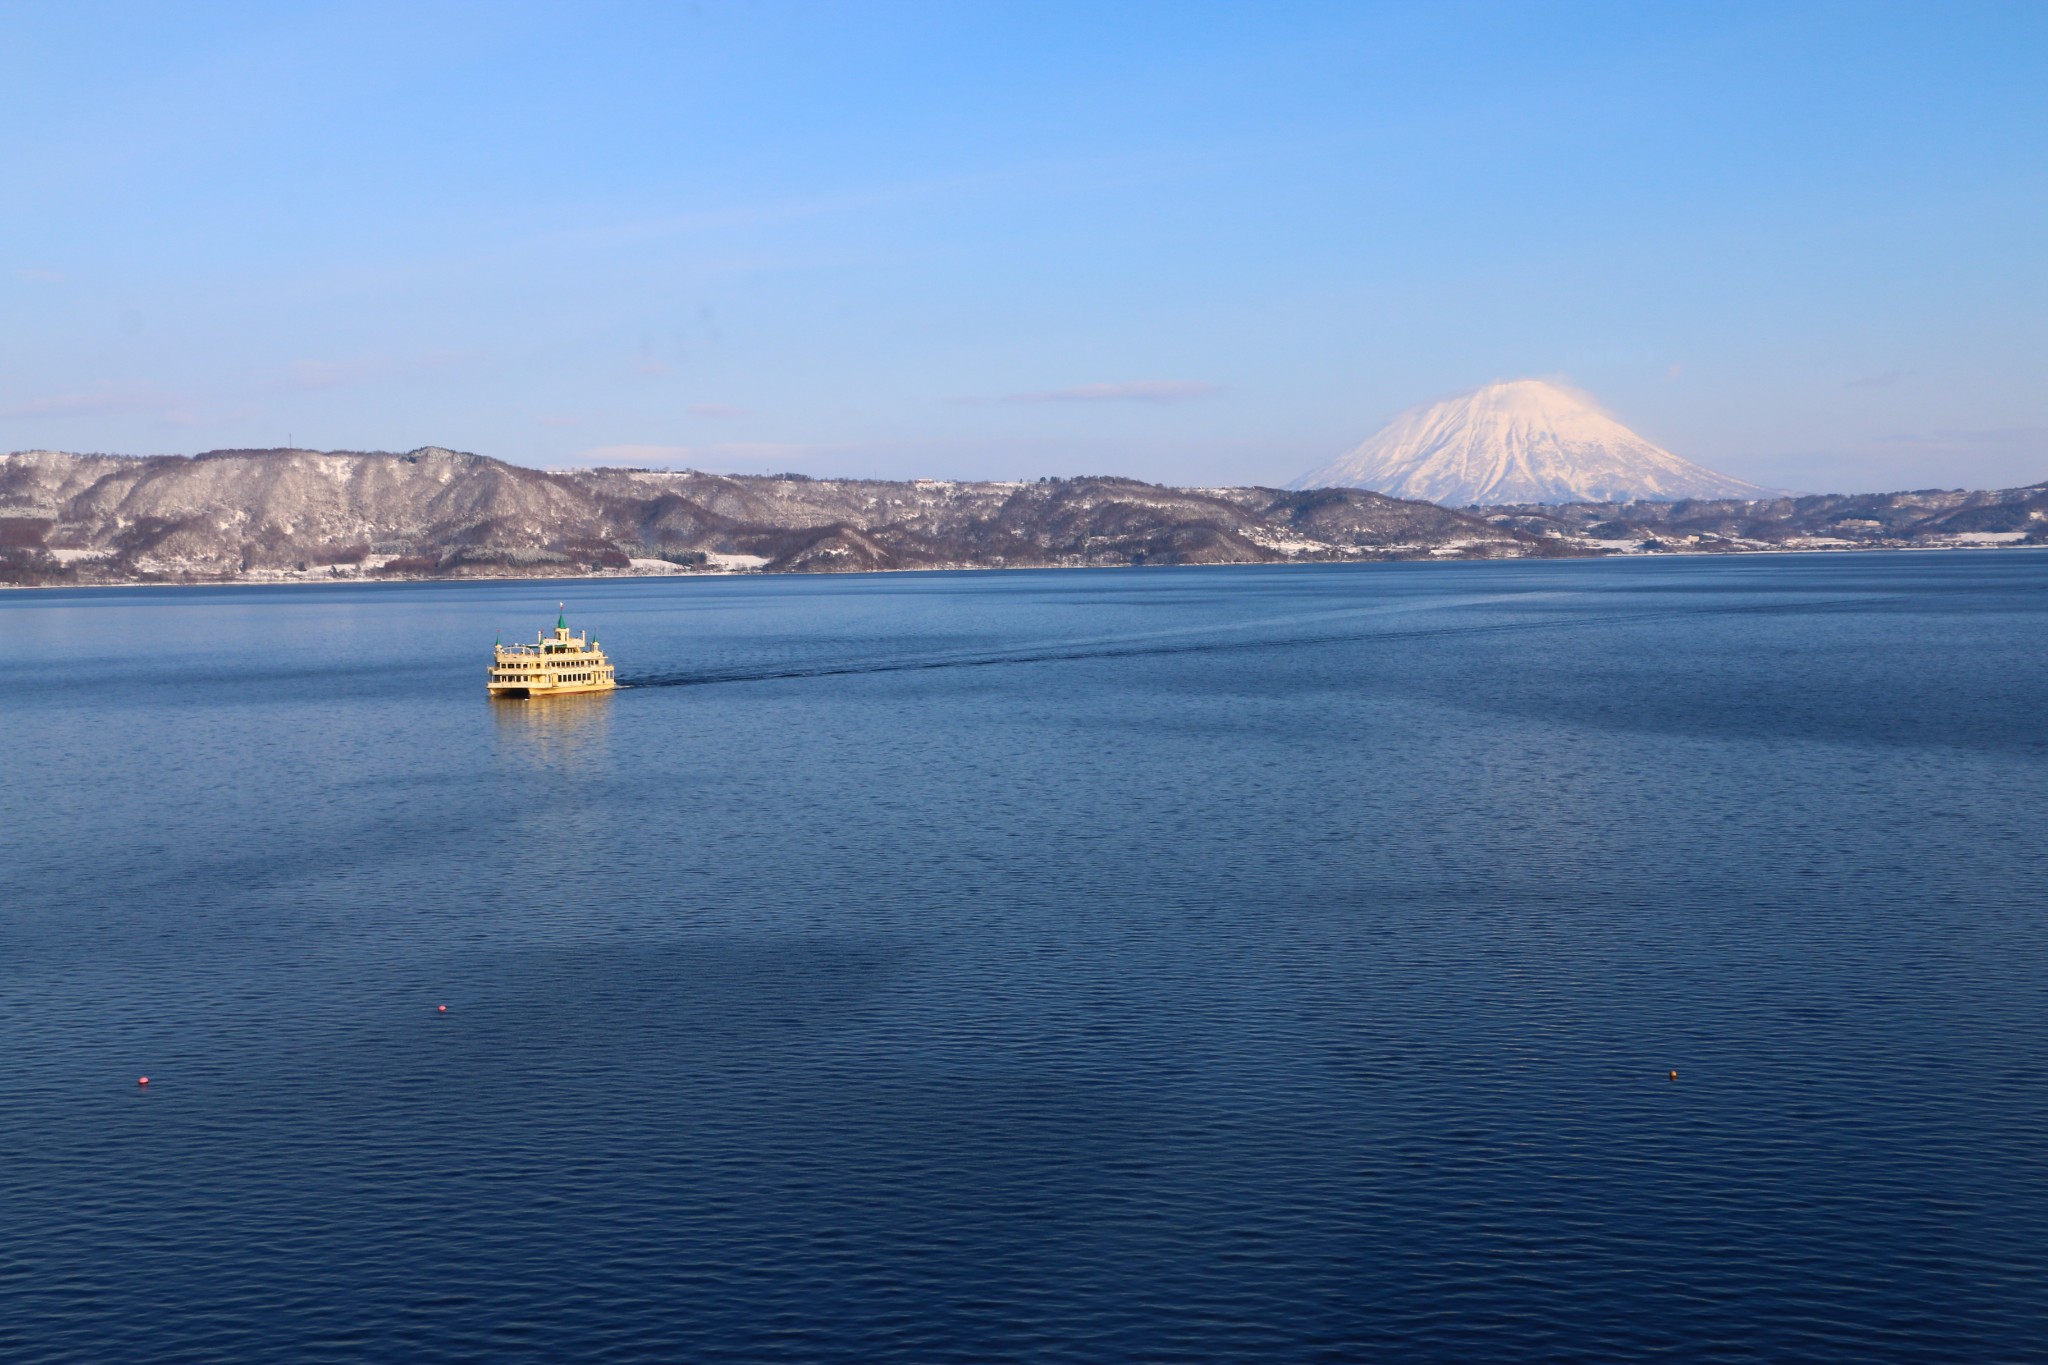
<point x="551" y="666"/>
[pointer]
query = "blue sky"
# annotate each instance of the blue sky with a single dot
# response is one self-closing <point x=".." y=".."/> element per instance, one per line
<point x="1807" y="244"/>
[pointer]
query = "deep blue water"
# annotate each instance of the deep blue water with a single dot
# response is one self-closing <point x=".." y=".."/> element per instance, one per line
<point x="1161" y="965"/>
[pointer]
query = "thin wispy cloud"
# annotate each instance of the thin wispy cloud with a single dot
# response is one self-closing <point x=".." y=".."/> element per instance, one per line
<point x="725" y="454"/>
<point x="1129" y="391"/>
<point x="1036" y="177"/>
<point x="109" y="401"/>
<point x="1983" y="436"/>
<point x="328" y="374"/>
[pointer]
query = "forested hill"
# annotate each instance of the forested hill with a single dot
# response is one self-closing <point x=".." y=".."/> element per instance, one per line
<point x="246" y="515"/>
<point x="253" y="514"/>
<point x="1926" y="519"/>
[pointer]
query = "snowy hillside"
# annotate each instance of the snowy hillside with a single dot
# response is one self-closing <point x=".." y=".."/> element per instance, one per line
<point x="297" y="514"/>
<point x="1520" y="442"/>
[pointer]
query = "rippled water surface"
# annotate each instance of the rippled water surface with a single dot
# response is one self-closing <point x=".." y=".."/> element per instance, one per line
<point x="1163" y="965"/>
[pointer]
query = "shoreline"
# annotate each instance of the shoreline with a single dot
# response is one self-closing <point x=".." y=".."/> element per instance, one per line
<point x="1004" y="568"/>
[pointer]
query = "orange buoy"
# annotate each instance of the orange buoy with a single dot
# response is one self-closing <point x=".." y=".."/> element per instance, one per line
<point x="1674" y="1075"/>
<point x="142" y="1080"/>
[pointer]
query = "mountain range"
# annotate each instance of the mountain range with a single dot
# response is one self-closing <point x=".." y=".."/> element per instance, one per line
<point x="1930" y="518"/>
<point x="297" y="515"/>
<point x="282" y="514"/>
<point x="1526" y="441"/>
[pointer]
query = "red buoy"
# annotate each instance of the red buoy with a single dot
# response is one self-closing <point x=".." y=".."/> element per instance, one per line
<point x="142" y="1080"/>
<point x="440" y="1009"/>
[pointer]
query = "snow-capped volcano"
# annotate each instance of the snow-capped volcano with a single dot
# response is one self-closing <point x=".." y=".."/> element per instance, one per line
<point x="1523" y="441"/>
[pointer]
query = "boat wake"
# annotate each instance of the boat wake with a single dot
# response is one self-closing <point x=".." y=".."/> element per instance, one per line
<point x="1154" y="644"/>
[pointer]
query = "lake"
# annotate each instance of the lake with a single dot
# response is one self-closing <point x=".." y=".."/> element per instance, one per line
<point x="1159" y="964"/>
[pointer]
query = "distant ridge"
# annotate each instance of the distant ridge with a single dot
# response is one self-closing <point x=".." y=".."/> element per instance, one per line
<point x="300" y="516"/>
<point x="1525" y="441"/>
<point x="281" y="515"/>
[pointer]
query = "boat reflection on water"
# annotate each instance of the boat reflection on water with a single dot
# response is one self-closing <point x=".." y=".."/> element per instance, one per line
<point x="560" y="732"/>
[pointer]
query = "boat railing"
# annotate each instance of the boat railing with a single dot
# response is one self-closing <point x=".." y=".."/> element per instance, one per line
<point x="530" y="652"/>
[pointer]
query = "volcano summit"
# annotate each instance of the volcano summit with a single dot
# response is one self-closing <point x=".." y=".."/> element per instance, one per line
<point x="1520" y="442"/>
